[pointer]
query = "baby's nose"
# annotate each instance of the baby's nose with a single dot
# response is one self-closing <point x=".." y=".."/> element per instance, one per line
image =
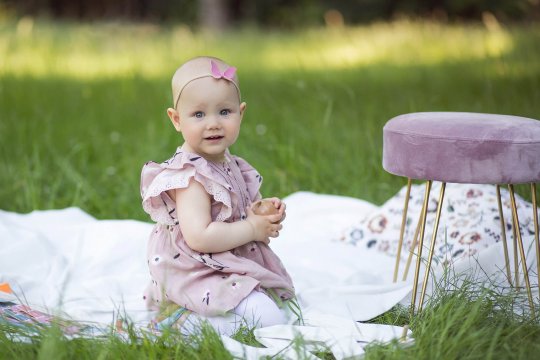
<point x="213" y="122"/>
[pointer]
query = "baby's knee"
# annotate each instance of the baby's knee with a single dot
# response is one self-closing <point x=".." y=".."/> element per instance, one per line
<point x="259" y="310"/>
<point x="272" y="316"/>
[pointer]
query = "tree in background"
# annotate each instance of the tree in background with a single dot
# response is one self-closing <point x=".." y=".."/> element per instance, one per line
<point x="213" y="14"/>
<point x="221" y="14"/>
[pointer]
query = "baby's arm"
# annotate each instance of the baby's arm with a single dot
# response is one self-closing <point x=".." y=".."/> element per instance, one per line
<point x="193" y="208"/>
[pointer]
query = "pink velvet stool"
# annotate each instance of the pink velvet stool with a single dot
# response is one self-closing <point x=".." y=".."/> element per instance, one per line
<point x="469" y="148"/>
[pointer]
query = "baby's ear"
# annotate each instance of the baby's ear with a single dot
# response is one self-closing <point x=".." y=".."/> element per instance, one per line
<point x="242" y="108"/>
<point x="175" y="118"/>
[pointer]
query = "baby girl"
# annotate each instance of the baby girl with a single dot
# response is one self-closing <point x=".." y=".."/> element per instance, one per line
<point x="208" y="252"/>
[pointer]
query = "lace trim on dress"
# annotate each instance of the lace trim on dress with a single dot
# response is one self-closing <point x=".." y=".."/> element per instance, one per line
<point x="175" y="173"/>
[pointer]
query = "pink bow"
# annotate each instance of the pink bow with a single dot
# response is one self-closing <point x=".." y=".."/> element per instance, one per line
<point x="227" y="74"/>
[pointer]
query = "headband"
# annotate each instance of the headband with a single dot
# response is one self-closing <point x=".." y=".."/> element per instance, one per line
<point x="214" y="72"/>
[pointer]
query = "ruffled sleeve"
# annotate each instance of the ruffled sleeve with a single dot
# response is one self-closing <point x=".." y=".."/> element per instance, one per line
<point x="251" y="177"/>
<point x="176" y="173"/>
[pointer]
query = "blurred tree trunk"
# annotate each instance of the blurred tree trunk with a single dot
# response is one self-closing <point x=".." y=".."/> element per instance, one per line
<point x="213" y="14"/>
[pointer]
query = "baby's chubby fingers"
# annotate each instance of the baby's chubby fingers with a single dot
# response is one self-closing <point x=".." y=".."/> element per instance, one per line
<point x="281" y="210"/>
<point x="276" y="201"/>
<point x="274" y="231"/>
<point x="284" y="215"/>
<point x="280" y="206"/>
<point x="275" y="218"/>
<point x="264" y="226"/>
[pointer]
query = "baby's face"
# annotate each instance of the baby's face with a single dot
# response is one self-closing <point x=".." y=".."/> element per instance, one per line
<point x="210" y="117"/>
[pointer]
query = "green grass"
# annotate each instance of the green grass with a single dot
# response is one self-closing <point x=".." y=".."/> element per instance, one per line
<point x="82" y="107"/>
<point x="50" y="344"/>
<point x="472" y="323"/>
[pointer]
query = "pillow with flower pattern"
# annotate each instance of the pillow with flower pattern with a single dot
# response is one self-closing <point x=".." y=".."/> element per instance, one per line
<point x="469" y="221"/>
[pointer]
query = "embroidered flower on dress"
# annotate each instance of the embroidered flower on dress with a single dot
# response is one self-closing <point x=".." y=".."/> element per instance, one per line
<point x="206" y="298"/>
<point x="155" y="259"/>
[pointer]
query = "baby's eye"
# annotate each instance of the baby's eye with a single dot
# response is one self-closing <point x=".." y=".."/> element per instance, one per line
<point x="199" y="114"/>
<point x="224" y="112"/>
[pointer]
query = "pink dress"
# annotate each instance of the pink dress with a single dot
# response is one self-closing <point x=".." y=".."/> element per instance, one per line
<point x="208" y="284"/>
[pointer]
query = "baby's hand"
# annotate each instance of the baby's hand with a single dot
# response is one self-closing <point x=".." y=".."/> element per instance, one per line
<point x="264" y="226"/>
<point x="280" y="205"/>
<point x="269" y="206"/>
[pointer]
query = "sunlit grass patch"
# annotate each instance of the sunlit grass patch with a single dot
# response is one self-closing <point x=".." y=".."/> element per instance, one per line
<point x="87" y="51"/>
<point x="400" y="43"/>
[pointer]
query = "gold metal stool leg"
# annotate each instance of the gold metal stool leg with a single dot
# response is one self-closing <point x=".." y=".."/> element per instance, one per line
<point x="420" y="245"/>
<point x="536" y="234"/>
<point x="432" y="247"/>
<point x="514" y="246"/>
<point x="402" y="231"/>
<point x="520" y="245"/>
<point x="503" y="236"/>
<point x="413" y="246"/>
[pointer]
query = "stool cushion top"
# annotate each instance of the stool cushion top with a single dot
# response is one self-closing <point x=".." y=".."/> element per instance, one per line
<point x="462" y="147"/>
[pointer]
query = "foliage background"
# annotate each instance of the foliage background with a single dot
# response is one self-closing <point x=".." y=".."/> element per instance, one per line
<point x="275" y="13"/>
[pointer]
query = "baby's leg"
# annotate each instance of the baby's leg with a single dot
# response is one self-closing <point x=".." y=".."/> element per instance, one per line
<point x="256" y="310"/>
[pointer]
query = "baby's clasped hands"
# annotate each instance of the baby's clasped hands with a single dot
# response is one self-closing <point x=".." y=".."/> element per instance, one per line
<point x="266" y="216"/>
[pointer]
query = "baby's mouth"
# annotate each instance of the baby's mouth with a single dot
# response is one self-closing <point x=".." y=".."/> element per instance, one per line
<point x="215" y="137"/>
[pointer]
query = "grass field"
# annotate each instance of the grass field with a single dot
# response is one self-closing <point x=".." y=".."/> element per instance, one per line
<point x="82" y="107"/>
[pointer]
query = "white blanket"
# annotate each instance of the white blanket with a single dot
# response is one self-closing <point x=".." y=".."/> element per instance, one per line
<point x="92" y="270"/>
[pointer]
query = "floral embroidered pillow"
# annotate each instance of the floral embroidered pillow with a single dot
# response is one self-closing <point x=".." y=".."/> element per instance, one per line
<point x="469" y="221"/>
